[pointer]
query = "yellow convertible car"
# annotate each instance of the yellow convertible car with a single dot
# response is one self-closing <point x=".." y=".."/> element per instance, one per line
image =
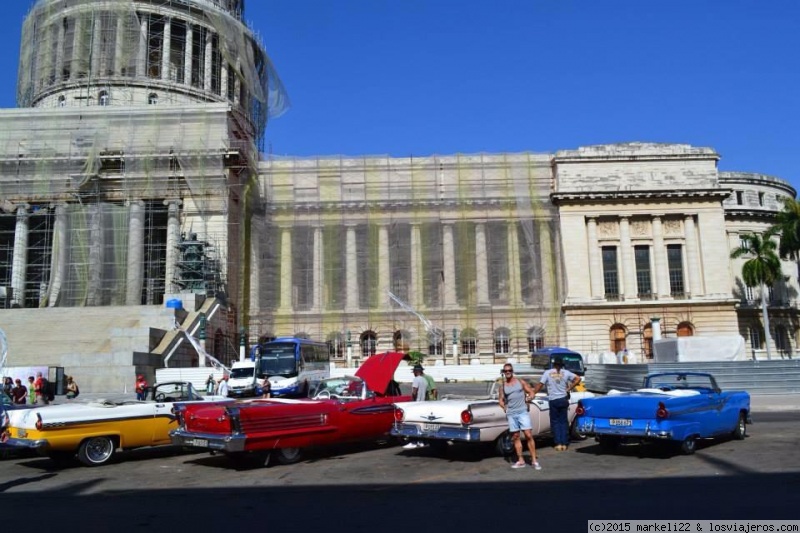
<point x="96" y="430"/>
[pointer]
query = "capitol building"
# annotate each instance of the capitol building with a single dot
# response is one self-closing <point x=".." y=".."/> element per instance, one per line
<point x="131" y="177"/>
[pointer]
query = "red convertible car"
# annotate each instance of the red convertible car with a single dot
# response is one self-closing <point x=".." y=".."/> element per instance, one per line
<point x="342" y="409"/>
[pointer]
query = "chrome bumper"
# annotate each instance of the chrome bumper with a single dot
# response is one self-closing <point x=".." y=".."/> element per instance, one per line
<point x="588" y="427"/>
<point x="228" y="443"/>
<point x="442" y="433"/>
<point x="41" y="445"/>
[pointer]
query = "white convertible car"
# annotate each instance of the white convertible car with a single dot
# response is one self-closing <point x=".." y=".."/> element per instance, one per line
<point x="473" y="420"/>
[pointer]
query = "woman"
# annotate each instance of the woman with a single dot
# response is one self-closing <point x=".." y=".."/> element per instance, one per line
<point x="72" y="388"/>
<point x="266" y="389"/>
<point x="210" y="384"/>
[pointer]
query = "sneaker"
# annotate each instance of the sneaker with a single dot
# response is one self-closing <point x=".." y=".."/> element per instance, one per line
<point x="518" y="465"/>
<point x="410" y="446"/>
<point x="537" y="466"/>
<point x="422" y="445"/>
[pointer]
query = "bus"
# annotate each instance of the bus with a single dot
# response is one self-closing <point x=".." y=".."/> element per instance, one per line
<point x="294" y="366"/>
<point x="542" y="359"/>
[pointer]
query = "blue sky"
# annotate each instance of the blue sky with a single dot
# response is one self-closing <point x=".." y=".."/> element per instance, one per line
<point x="421" y="77"/>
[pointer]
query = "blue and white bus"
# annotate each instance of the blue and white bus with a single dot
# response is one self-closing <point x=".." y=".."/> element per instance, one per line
<point x="294" y="366"/>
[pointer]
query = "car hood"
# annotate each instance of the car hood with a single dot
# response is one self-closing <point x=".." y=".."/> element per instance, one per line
<point x="379" y="369"/>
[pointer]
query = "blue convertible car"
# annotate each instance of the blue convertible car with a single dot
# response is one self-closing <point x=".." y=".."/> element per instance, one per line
<point x="680" y="407"/>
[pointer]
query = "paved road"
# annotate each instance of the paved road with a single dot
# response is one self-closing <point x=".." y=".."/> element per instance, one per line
<point x="381" y="487"/>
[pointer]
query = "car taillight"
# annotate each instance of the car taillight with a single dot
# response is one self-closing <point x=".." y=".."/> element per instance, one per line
<point x="178" y="410"/>
<point x="580" y="410"/>
<point x="662" y="412"/>
<point x="39" y="421"/>
<point x="466" y="417"/>
<point x="399" y="415"/>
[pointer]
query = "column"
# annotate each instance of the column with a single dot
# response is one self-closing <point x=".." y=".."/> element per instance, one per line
<point x="77" y="48"/>
<point x="286" y="270"/>
<point x="415" y="291"/>
<point x="514" y="289"/>
<point x="481" y="265"/>
<point x="661" y="289"/>
<point x="319" y="271"/>
<point x="60" y="45"/>
<point x="141" y="58"/>
<point x="173" y="238"/>
<point x="135" y="278"/>
<point x="223" y="81"/>
<point x="187" y="56"/>
<point x="20" y="263"/>
<point x="595" y="260"/>
<point x="58" y="261"/>
<point x="351" y="270"/>
<point x="46" y="77"/>
<point x="94" y="296"/>
<point x="384" y="271"/>
<point x="693" y="274"/>
<point x="548" y="264"/>
<point x="119" y="45"/>
<point x="166" y="49"/>
<point x="626" y="256"/>
<point x="97" y="69"/>
<point x="449" y="266"/>
<point x="207" y="63"/>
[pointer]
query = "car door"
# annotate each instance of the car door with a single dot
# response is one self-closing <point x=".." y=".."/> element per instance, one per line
<point x="540" y="415"/>
<point x="163" y="419"/>
<point x="365" y="419"/>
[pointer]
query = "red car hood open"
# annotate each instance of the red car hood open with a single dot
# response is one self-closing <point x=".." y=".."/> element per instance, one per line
<point x="379" y="369"/>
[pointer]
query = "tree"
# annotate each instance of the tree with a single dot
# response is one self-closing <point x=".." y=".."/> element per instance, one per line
<point x="762" y="269"/>
<point x="787" y="228"/>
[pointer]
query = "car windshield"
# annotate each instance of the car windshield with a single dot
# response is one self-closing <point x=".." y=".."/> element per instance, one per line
<point x="239" y="373"/>
<point x="278" y="359"/>
<point x="174" y="392"/>
<point x="573" y="363"/>
<point x="679" y="381"/>
<point x="343" y="387"/>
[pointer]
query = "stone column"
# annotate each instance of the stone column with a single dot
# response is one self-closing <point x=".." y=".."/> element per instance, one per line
<point x="46" y="78"/>
<point x="415" y="291"/>
<point x="77" y="46"/>
<point x="481" y="265"/>
<point x="693" y="274"/>
<point x="20" y="263"/>
<point x="384" y="270"/>
<point x="286" y="270"/>
<point x="187" y="56"/>
<point x="547" y="262"/>
<point x="223" y="79"/>
<point x="94" y="295"/>
<point x="514" y="288"/>
<point x="60" y="45"/>
<point x="449" y="266"/>
<point x="319" y="271"/>
<point x="173" y="238"/>
<point x="97" y="69"/>
<point x="351" y="270"/>
<point x="626" y="256"/>
<point x="166" y="49"/>
<point x="141" y="58"/>
<point x="662" y="289"/>
<point x="58" y="261"/>
<point x="595" y="260"/>
<point x="237" y="87"/>
<point x="207" y="63"/>
<point x="135" y="277"/>
<point x="119" y="45"/>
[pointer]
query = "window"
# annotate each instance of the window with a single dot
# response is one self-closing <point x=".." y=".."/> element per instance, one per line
<point x="469" y="342"/>
<point x="739" y="197"/>
<point x="62" y="101"/>
<point x="642" y="258"/>
<point x="103" y="98"/>
<point x="502" y="341"/>
<point x="617" y="334"/>
<point x="782" y="340"/>
<point x="336" y="345"/>
<point x="761" y="199"/>
<point x="400" y="340"/>
<point x="435" y="344"/>
<point x="685" y="329"/>
<point x="755" y="337"/>
<point x="610" y="274"/>
<point x="535" y="339"/>
<point x="647" y="340"/>
<point x="152" y="99"/>
<point x="369" y="344"/>
<point x="675" y="265"/>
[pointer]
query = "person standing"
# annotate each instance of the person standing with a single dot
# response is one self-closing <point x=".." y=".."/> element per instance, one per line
<point x="266" y="388"/>
<point x="19" y="393"/>
<point x="514" y="400"/>
<point x="31" y="391"/>
<point x="141" y="388"/>
<point x="72" y="389"/>
<point x="430" y="392"/>
<point x="419" y="387"/>
<point x="559" y="382"/>
<point x="210" y="384"/>
<point x="222" y="389"/>
<point x="42" y="387"/>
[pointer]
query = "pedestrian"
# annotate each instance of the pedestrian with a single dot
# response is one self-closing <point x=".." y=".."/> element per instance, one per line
<point x="8" y="384"/>
<point x="19" y="393"/>
<point x="266" y="388"/>
<point x="72" y="388"/>
<point x="419" y="386"/>
<point x="42" y="387"/>
<point x="430" y="392"/>
<point x="222" y="389"/>
<point x="31" y="391"/>
<point x="141" y="388"/>
<point x="210" y="384"/>
<point x="514" y="400"/>
<point x="559" y="382"/>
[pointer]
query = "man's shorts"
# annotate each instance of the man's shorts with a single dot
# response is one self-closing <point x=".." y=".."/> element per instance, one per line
<point x="518" y="422"/>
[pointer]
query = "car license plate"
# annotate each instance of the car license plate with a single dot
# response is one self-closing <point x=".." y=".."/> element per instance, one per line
<point x="620" y="422"/>
<point x="430" y="428"/>
<point x="200" y="443"/>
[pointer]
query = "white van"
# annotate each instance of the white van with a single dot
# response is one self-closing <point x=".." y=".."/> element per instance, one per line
<point x="242" y="380"/>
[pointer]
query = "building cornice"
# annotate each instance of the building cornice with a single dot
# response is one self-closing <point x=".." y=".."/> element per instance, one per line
<point x="578" y="197"/>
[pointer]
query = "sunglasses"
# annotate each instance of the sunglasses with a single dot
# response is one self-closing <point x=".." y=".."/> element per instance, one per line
<point x="508" y="371"/>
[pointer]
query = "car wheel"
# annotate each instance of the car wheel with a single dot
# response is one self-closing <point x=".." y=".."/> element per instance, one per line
<point x="287" y="456"/>
<point x="503" y="445"/>
<point x="689" y="445"/>
<point x="607" y="443"/>
<point x="574" y="433"/>
<point x="740" y="431"/>
<point x="96" y="451"/>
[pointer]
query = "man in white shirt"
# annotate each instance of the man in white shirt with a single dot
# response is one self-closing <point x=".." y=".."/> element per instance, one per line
<point x="222" y="389"/>
<point x="418" y="389"/>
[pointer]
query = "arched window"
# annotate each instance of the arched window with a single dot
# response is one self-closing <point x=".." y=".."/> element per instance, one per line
<point x="435" y="344"/>
<point x="152" y="99"/>
<point x="782" y="340"/>
<point x="617" y="335"/>
<point x="647" y="340"/>
<point x="335" y="342"/>
<point x="369" y="343"/>
<point x="62" y="101"/>
<point x="502" y="341"/>
<point x="103" y="98"/>
<point x="469" y="341"/>
<point x="535" y="339"/>
<point x="400" y="339"/>
<point x="756" y="338"/>
<point x="685" y="329"/>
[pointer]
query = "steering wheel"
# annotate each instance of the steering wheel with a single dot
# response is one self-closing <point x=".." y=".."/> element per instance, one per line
<point x="161" y="397"/>
<point x="323" y="395"/>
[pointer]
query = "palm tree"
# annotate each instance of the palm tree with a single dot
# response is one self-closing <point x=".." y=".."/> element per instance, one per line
<point x="788" y="228"/>
<point x="761" y="270"/>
